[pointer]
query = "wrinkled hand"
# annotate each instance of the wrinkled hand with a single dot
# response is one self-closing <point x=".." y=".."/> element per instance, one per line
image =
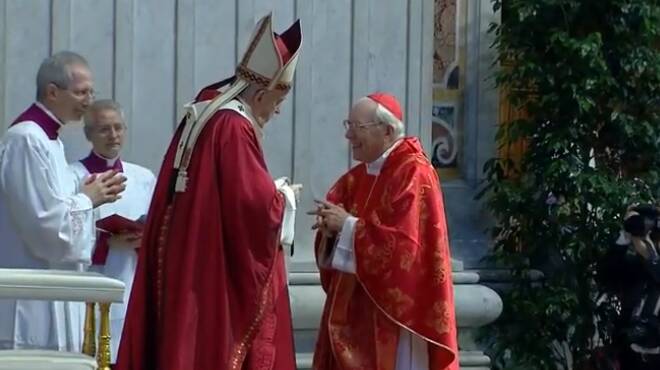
<point x="127" y="239"/>
<point x="318" y="223"/>
<point x="330" y="218"/>
<point x="104" y="188"/>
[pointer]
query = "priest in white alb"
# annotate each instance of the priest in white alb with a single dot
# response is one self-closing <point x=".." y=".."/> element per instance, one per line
<point x="46" y="222"/>
<point x="115" y="253"/>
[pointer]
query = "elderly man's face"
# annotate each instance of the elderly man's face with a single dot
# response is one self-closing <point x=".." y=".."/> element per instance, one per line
<point x="368" y="139"/>
<point x="106" y="132"/>
<point x="266" y="103"/>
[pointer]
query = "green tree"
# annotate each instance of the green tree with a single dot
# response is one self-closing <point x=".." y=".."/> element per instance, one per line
<point x="587" y="72"/>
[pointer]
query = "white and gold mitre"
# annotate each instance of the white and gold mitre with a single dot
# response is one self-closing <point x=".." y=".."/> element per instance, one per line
<point x="269" y="61"/>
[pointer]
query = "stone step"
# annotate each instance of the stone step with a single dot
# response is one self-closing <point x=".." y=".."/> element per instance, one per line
<point x="469" y="360"/>
<point x="304" y="361"/>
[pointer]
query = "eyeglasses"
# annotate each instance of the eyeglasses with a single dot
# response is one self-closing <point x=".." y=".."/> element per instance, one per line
<point x="108" y="130"/>
<point x="78" y="93"/>
<point x="84" y="93"/>
<point x="357" y="125"/>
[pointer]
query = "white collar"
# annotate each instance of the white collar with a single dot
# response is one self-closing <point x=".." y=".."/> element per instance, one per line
<point x="373" y="168"/>
<point x="248" y="114"/>
<point x="109" y="161"/>
<point x="48" y="112"/>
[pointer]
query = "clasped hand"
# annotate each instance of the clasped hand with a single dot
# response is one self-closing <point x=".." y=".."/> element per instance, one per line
<point x="104" y="187"/>
<point x="330" y="217"/>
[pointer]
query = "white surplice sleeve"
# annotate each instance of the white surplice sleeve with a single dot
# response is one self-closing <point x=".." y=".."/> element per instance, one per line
<point x="79" y="174"/>
<point x="55" y="226"/>
<point x="343" y="257"/>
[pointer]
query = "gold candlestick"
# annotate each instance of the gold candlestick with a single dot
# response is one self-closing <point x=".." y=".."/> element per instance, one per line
<point x="103" y="357"/>
<point x="89" y="341"/>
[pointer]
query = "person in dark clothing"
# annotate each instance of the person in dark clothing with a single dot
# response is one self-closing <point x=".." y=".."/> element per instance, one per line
<point x="630" y="270"/>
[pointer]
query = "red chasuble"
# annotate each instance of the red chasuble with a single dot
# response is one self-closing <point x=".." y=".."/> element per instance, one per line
<point x="403" y="268"/>
<point x="210" y="286"/>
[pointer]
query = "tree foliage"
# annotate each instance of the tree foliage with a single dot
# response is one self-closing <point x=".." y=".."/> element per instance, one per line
<point x="587" y="74"/>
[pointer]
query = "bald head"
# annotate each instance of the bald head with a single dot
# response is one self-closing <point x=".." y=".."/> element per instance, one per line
<point x="105" y="128"/>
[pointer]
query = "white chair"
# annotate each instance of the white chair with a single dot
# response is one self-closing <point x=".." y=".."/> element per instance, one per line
<point x="55" y="285"/>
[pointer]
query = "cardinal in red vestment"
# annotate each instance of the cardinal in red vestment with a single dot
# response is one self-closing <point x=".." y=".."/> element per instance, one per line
<point x="210" y="288"/>
<point x="383" y="253"/>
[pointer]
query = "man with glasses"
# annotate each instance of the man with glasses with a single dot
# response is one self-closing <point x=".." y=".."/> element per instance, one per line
<point x="115" y="253"/>
<point x="46" y="221"/>
<point x="383" y="253"/>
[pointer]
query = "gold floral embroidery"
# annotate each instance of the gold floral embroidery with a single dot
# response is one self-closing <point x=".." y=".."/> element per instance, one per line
<point x="371" y="266"/>
<point x="346" y="351"/>
<point x="375" y="219"/>
<point x="407" y="260"/>
<point x="388" y="249"/>
<point x="440" y="226"/>
<point x="439" y="274"/>
<point x="439" y="262"/>
<point x="404" y="205"/>
<point x="423" y="222"/>
<point x="379" y="257"/>
<point x="424" y="214"/>
<point x="440" y="317"/>
<point x="360" y="229"/>
<point x="350" y="182"/>
<point x="386" y="202"/>
<point x="398" y="302"/>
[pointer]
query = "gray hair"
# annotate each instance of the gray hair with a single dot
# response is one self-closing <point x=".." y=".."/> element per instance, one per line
<point x="382" y="115"/>
<point x="250" y="90"/>
<point x="56" y="70"/>
<point x="98" y="106"/>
